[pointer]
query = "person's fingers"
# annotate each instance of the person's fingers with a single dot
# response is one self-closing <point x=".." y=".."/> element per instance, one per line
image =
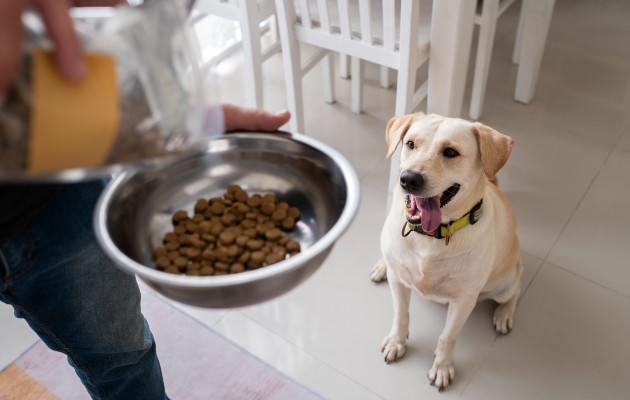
<point x="251" y="119"/>
<point x="11" y="33"/>
<point x="55" y="14"/>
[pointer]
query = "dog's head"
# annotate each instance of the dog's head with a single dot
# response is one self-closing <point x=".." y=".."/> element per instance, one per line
<point x="445" y="163"/>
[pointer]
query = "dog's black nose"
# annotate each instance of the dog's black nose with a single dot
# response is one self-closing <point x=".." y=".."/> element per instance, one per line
<point x="411" y="181"/>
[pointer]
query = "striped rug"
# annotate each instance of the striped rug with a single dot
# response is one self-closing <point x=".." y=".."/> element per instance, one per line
<point x="197" y="363"/>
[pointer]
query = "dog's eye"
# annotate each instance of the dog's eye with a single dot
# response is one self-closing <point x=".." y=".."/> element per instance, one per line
<point x="450" y="152"/>
<point x="410" y="145"/>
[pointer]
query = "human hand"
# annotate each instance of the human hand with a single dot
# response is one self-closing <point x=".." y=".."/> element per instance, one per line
<point x="54" y="13"/>
<point x="252" y="119"/>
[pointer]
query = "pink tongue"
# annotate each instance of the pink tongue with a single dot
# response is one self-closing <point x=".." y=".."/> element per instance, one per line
<point x="431" y="215"/>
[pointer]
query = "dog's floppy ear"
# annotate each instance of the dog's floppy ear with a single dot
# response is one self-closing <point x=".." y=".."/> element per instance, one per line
<point x="494" y="148"/>
<point x="396" y="129"/>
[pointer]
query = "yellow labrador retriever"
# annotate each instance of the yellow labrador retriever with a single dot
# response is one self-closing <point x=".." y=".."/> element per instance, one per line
<point x="450" y="233"/>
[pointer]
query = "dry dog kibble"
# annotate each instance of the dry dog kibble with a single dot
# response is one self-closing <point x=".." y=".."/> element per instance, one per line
<point x="230" y="234"/>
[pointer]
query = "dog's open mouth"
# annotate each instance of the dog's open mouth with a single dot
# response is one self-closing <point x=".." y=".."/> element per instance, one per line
<point x="427" y="210"/>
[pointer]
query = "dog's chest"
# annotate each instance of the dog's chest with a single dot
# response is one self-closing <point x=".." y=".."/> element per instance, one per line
<point x="435" y="279"/>
<point x="425" y="267"/>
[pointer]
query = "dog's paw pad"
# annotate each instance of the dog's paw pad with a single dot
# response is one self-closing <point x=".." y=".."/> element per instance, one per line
<point x="441" y="375"/>
<point x="393" y="349"/>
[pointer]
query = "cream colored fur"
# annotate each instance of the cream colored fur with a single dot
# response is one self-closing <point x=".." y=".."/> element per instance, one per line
<point x="481" y="260"/>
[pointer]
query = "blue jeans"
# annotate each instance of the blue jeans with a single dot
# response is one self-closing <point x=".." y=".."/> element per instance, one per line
<point x="57" y="278"/>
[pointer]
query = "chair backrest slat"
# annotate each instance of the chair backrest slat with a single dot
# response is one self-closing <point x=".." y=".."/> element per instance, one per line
<point x="365" y="15"/>
<point x="389" y="24"/>
<point x="344" y="18"/>
<point x="305" y="14"/>
<point x="324" y="17"/>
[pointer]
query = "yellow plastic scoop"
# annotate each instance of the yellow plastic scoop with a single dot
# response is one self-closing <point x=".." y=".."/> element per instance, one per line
<point x="73" y="125"/>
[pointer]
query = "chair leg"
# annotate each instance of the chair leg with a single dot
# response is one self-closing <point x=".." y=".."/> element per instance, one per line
<point x="252" y="52"/>
<point x="291" y="64"/>
<point x="487" y="28"/>
<point x="536" y="16"/>
<point x="519" y="37"/>
<point x="357" y="85"/>
<point x="386" y="81"/>
<point x="329" y="78"/>
<point x="344" y="66"/>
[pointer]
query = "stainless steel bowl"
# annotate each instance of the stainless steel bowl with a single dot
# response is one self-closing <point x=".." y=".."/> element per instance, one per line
<point x="135" y="210"/>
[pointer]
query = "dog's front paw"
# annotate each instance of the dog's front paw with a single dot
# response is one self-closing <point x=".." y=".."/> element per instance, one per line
<point x="393" y="348"/>
<point x="379" y="272"/>
<point x="441" y="374"/>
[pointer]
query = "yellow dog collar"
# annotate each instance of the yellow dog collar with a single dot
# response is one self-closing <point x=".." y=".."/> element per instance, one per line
<point x="447" y="230"/>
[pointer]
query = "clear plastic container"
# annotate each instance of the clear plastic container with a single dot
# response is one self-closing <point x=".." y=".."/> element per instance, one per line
<point x="165" y="111"/>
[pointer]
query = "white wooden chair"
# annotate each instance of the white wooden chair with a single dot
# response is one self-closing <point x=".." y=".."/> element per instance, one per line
<point x="491" y="10"/>
<point x="351" y="28"/>
<point x="254" y="17"/>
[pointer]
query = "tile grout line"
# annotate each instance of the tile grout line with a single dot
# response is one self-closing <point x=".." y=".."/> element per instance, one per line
<point x="589" y="280"/>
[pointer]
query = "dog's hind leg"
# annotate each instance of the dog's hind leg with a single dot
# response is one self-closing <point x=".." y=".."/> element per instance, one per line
<point x="504" y="313"/>
<point x="379" y="271"/>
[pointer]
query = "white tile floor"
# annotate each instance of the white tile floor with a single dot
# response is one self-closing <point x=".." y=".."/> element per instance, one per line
<point x="568" y="180"/>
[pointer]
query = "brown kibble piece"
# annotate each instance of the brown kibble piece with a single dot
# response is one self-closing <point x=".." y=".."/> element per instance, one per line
<point x="208" y="254"/>
<point x="243" y="258"/>
<point x="294" y="213"/>
<point x="241" y="207"/>
<point x="293" y="246"/>
<point x="241" y="241"/>
<point x="159" y="252"/>
<point x="172" y="270"/>
<point x="180" y="262"/>
<point x="254" y="200"/>
<point x="279" y="214"/>
<point x="273" y="234"/>
<point x="221" y="266"/>
<point x="163" y="262"/>
<point x="206" y="271"/>
<point x="217" y="208"/>
<point x="201" y="205"/>
<point x="251" y="233"/>
<point x="283" y="205"/>
<point x="191" y="226"/>
<point x="204" y="227"/>
<point x="193" y="272"/>
<point x="228" y="219"/>
<point x="240" y="195"/>
<point x="288" y="224"/>
<point x="272" y="258"/>
<point x="170" y="237"/>
<point x="233" y="189"/>
<point x="180" y="216"/>
<point x="254" y="244"/>
<point x="236" y="268"/>
<point x="269" y="198"/>
<point x="179" y="230"/>
<point x="170" y="246"/>
<point x="227" y="238"/>
<point x="283" y="240"/>
<point x="198" y="218"/>
<point x="267" y="208"/>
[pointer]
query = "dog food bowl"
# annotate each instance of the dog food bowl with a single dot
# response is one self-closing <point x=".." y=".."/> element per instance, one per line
<point x="135" y="211"/>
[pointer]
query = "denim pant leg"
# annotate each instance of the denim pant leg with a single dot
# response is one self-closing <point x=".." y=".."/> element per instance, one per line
<point x="57" y="279"/>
